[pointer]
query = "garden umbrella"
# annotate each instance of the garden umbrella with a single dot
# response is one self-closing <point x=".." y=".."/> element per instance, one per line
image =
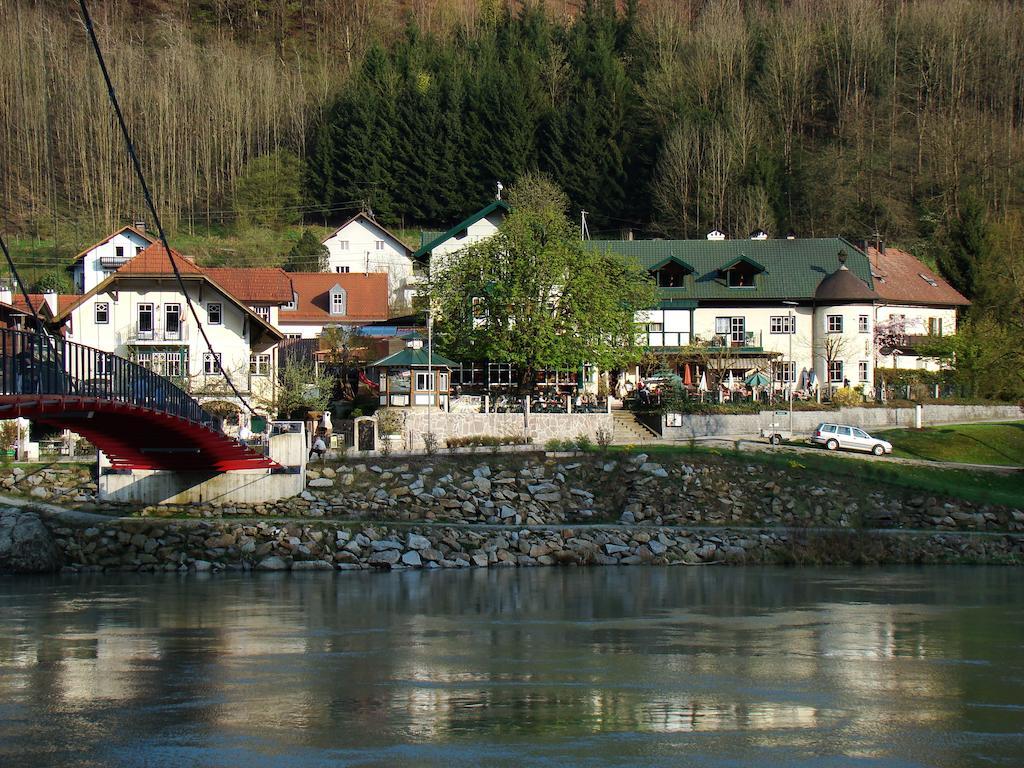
<point x="687" y="378"/>
<point x="731" y="383"/>
<point x="703" y="385"/>
<point x="756" y="379"/>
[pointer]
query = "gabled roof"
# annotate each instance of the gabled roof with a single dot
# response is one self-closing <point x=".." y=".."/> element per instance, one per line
<point x="792" y="268"/>
<point x="467" y="222"/>
<point x="671" y="260"/>
<point x="407" y="358"/>
<point x="902" y="278"/>
<point x="38" y="300"/>
<point x="254" y="285"/>
<point x="742" y="258"/>
<point x="376" y="225"/>
<point x="366" y="298"/>
<point x="153" y="263"/>
<point x="111" y="236"/>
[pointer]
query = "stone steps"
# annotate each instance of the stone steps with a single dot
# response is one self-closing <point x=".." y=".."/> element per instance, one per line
<point x="628" y="431"/>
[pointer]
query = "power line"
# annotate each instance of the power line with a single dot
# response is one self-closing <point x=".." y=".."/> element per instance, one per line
<point x="149" y="198"/>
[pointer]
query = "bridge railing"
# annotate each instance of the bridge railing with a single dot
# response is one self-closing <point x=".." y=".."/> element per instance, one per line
<point x="49" y="365"/>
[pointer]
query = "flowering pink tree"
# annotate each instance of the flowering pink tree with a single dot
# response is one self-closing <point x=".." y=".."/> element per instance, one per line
<point x="892" y="333"/>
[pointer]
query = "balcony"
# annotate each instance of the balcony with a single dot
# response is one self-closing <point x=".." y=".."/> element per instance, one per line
<point x="748" y="341"/>
<point x="157" y="335"/>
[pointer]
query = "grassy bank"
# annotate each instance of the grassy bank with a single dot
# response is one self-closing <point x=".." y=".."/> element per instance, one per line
<point x="977" y="487"/>
<point x="1001" y="444"/>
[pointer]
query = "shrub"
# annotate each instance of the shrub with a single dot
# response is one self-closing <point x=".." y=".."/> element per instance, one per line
<point x="846" y="397"/>
<point x="604" y="438"/>
<point x="583" y="443"/>
<point x="430" y="443"/>
<point x="492" y="441"/>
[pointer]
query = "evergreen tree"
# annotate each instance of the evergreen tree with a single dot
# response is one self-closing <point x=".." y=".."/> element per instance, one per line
<point x="967" y="246"/>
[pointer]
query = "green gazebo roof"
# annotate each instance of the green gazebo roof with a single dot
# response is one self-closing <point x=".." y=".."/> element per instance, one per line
<point x="414" y="358"/>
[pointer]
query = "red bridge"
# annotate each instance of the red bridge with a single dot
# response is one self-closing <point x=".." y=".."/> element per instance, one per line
<point x="139" y="419"/>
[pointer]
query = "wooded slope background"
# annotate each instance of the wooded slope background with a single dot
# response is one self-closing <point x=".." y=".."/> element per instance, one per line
<point x="666" y="117"/>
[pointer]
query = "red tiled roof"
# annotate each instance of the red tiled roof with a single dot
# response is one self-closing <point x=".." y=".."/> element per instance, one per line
<point x="900" y="277"/>
<point x="64" y="301"/>
<point x="366" y="297"/>
<point x="153" y="261"/>
<point x="253" y="285"/>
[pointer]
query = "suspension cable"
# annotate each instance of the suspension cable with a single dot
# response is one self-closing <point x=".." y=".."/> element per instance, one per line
<point x="149" y="199"/>
<point x="21" y="285"/>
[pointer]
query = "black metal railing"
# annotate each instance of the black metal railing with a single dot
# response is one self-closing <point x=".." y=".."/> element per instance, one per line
<point x="47" y="365"/>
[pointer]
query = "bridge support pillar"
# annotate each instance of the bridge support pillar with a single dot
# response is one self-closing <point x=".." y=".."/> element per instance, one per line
<point x="243" y="486"/>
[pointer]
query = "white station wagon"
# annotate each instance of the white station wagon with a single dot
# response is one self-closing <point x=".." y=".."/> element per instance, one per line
<point x="834" y="436"/>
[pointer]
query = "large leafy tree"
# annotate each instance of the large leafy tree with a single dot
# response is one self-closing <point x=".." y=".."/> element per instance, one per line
<point x="533" y="295"/>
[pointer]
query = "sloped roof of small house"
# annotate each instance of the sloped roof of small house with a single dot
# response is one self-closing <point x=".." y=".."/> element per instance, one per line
<point x="129" y="228"/>
<point x="366" y="297"/>
<point x="438" y="238"/>
<point x="361" y="216"/>
<point x="902" y="278"/>
<point x="414" y="358"/>
<point x="254" y="285"/>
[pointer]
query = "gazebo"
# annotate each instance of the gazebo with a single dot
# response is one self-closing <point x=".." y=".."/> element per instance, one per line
<point x="412" y="377"/>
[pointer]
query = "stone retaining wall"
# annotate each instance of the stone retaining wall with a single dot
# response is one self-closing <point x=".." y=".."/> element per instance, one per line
<point x="712" y="424"/>
<point x="541" y="427"/>
<point x="191" y="545"/>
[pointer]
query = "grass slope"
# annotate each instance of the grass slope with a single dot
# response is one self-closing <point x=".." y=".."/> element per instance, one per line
<point x="1001" y="444"/>
<point x="978" y="487"/>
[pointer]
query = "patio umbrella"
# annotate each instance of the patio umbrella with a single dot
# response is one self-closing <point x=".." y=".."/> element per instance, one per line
<point x="702" y="386"/>
<point x="687" y="378"/>
<point x="756" y="379"/>
<point x="731" y="383"/>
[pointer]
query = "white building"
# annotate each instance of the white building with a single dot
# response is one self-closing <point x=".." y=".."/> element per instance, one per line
<point x="99" y="261"/>
<point x="473" y="229"/>
<point x="361" y="245"/>
<point x="140" y="313"/>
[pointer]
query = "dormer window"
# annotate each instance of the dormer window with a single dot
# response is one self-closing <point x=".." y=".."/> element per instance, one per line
<point x="339" y="300"/>
<point x="293" y="304"/>
<point x="670" y="272"/>
<point x="715" y="234"/>
<point x="741" y="272"/>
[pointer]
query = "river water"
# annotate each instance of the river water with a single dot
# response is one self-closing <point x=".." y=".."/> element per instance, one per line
<point x="540" y="667"/>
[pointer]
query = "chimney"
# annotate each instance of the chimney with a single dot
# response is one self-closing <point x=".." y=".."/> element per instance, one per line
<point x="50" y="297"/>
<point x="140" y="225"/>
<point x="6" y="294"/>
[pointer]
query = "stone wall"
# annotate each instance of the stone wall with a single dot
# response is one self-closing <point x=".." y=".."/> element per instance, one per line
<point x="712" y="424"/>
<point x="541" y="427"/>
<point x="193" y="545"/>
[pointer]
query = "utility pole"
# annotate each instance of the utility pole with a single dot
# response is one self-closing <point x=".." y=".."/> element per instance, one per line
<point x="430" y="374"/>
<point x="791" y="366"/>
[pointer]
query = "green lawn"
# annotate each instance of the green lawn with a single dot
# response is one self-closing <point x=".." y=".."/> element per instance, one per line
<point x="979" y="487"/>
<point x="1001" y="444"/>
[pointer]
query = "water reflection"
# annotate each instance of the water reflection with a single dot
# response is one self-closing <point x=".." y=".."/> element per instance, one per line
<point x="575" y="666"/>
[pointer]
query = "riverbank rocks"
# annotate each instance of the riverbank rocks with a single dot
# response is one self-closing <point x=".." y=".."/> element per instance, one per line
<point x="139" y="545"/>
<point x="26" y="544"/>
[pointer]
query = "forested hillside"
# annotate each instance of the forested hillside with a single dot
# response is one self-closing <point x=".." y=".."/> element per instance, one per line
<point x="662" y="116"/>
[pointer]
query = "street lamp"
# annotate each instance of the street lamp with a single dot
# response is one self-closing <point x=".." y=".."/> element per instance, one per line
<point x="791" y="366"/>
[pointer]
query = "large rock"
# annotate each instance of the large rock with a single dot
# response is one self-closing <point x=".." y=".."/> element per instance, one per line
<point x="26" y="545"/>
<point x="272" y="563"/>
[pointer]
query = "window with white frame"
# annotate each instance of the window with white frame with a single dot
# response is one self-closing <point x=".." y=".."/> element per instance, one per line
<point x="343" y="270"/>
<point x="119" y="251"/>
<point x="723" y="325"/>
<point x="175" y="364"/>
<point x="835" y="372"/>
<point x="655" y="327"/>
<point x="862" y="324"/>
<point x="785" y="371"/>
<point x="379" y="245"/>
<point x="102" y="313"/>
<point x="211" y="363"/>
<point x="263" y="312"/>
<point x="738" y="327"/>
<point x="293" y="335"/>
<point x="834" y="323"/>
<point x="783" y="324"/>
<point x="425" y="382"/>
<point x="934" y="326"/>
<point x="214" y="313"/>
<point x="259" y="365"/>
<point x="862" y="370"/>
<point x="338" y="301"/>
<point x="343" y="245"/>
<point x="144" y="316"/>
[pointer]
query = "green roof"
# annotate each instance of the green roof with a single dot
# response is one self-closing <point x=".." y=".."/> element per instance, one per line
<point x="431" y="244"/>
<point x="414" y="358"/>
<point x="792" y="269"/>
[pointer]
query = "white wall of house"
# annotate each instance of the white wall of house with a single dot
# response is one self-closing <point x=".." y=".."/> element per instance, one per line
<point x="360" y="246"/>
<point x="920" y="321"/>
<point x="102" y="261"/>
<point x="162" y="347"/>
<point x="311" y="330"/>
<point x="666" y="327"/>
<point x="474" y="233"/>
<point x="853" y="345"/>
